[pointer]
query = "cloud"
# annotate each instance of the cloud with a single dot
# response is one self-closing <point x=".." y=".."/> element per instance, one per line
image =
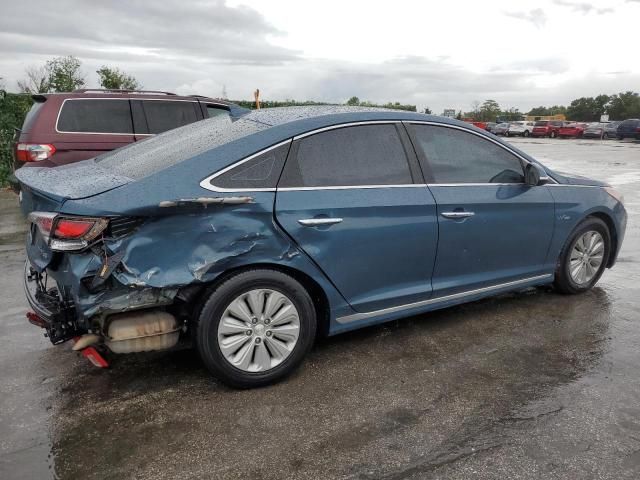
<point x="536" y="16"/>
<point x="536" y="66"/>
<point x="210" y="30"/>
<point x="583" y="7"/>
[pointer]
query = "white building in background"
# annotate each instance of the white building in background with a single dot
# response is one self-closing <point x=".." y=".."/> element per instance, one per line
<point x="449" y="112"/>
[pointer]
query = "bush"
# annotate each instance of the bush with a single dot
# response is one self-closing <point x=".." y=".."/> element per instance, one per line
<point x="13" y="109"/>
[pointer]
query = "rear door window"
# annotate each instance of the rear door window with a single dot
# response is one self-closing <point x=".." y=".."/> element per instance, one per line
<point x="95" y="116"/>
<point x="351" y="156"/>
<point x="454" y="156"/>
<point x="165" y="115"/>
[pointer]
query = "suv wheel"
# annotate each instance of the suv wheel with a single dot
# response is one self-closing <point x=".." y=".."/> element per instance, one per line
<point x="584" y="257"/>
<point x="255" y="328"/>
<point x="553" y="134"/>
<point x="526" y="133"/>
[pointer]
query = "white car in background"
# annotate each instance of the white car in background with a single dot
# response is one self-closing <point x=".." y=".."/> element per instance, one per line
<point x="522" y="128"/>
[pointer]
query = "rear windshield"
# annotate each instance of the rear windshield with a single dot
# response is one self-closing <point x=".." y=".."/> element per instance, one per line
<point x="110" y="115"/>
<point x="144" y="158"/>
<point x="541" y="124"/>
<point x="31" y="115"/>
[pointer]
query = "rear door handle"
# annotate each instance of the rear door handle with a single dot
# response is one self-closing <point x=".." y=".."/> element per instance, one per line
<point x="314" y="222"/>
<point x="457" y="214"/>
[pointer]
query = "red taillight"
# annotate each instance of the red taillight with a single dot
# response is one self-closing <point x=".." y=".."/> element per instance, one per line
<point x="66" y="233"/>
<point x="34" y="152"/>
<point x="66" y="228"/>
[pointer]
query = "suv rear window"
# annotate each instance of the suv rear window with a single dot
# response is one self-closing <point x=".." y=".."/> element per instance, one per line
<point x="166" y="115"/>
<point x="95" y="116"/>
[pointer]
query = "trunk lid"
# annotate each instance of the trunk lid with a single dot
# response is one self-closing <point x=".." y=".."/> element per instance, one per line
<point x="46" y="189"/>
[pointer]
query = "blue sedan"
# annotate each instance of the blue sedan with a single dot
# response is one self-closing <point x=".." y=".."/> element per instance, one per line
<point x="249" y="238"/>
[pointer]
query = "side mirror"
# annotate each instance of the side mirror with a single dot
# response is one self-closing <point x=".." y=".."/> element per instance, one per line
<point x="534" y="175"/>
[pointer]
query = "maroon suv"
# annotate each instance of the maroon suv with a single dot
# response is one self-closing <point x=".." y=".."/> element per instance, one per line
<point x="68" y="127"/>
<point x="547" y="128"/>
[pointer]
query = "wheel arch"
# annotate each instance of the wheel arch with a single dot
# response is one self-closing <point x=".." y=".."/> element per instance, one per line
<point x="608" y="220"/>
<point x="317" y="293"/>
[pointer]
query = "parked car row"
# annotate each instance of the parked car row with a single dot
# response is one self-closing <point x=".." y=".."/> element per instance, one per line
<point x="511" y="129"/>
<point x="562" y="129"/>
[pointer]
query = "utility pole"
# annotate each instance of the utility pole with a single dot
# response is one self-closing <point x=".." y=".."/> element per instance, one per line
<point x="256" y="95"/>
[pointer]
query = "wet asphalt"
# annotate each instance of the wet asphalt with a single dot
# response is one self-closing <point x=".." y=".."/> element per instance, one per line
<point x="526" y="385"/>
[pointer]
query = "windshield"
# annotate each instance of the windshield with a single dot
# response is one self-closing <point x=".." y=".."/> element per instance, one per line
<point x="541" y="124"/>
<point x="141" y="159"/>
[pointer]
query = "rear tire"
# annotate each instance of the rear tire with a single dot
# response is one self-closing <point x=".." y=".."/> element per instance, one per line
<point x="526" y="133"/>
<point x="584" y="257"/>
<point x="553" y="135"/>
<point x="270" y="308"/>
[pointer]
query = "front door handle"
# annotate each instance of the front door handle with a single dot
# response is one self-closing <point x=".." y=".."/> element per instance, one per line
<point x="456" y="215"/>
<point x="315" y="222"/>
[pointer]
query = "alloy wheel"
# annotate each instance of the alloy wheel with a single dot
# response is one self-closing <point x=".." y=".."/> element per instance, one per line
<point x="258" y="330"/>
<point x="586" y="257"/>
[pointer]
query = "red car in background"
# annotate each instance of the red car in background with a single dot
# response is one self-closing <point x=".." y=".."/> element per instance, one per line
<point x="480" y="125"/>
<point x="572" y="130"/>
<point x="547" y="128"/>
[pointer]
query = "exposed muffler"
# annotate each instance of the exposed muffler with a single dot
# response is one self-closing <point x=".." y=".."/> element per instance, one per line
<point x="142" y="331"/>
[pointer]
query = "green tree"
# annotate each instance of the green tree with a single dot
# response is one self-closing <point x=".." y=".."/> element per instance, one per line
<point x="114" y="79"/>
<point x="353" y="102"/>
<point x="427" y="111"/>
<point x="588" y="109"/>
<point x="65" y="74"/>
<point x="489" y="111"/>
<point x="13" y="109"/>
<point x="624" y="105"/>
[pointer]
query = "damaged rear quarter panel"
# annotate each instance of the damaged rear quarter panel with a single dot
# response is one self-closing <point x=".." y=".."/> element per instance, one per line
<point x="187" y="242"/>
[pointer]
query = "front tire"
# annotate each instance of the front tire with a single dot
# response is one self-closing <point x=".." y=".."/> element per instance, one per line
<point x="584" y="257"/>
<point x="526" y="133"/>
<point x="255" y="328"/>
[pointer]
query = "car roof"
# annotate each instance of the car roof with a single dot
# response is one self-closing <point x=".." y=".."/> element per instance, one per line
<point x="142" y="94"/>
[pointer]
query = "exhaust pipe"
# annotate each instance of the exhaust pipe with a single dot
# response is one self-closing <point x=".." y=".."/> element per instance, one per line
<point x="142" y="331"/>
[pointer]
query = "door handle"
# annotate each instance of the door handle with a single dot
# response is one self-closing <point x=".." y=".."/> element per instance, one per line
<point x="456" y="215"/>
<point x="315" y="222"/>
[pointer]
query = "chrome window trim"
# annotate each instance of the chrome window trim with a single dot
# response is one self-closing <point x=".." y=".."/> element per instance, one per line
<point x="556" y="184"/>
<point x="125" y="99"/>
<point x="350" y="187"/>
<point x="505" y="147"/>
<point x="472" y="184"/>
<point x="454" y="296"/>
<point x="206" y="183"/>
<point x="348" y="124"/>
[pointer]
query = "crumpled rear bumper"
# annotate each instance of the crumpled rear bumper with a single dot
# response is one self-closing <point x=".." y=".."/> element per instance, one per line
<point x="58" y="317"/>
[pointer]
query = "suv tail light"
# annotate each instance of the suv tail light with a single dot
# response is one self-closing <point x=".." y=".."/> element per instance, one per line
<point x="34" y="152"/>
<point x="67" y="233"/>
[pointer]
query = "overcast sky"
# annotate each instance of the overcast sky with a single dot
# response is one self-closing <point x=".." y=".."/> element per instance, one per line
<point x="444" y="54"/>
